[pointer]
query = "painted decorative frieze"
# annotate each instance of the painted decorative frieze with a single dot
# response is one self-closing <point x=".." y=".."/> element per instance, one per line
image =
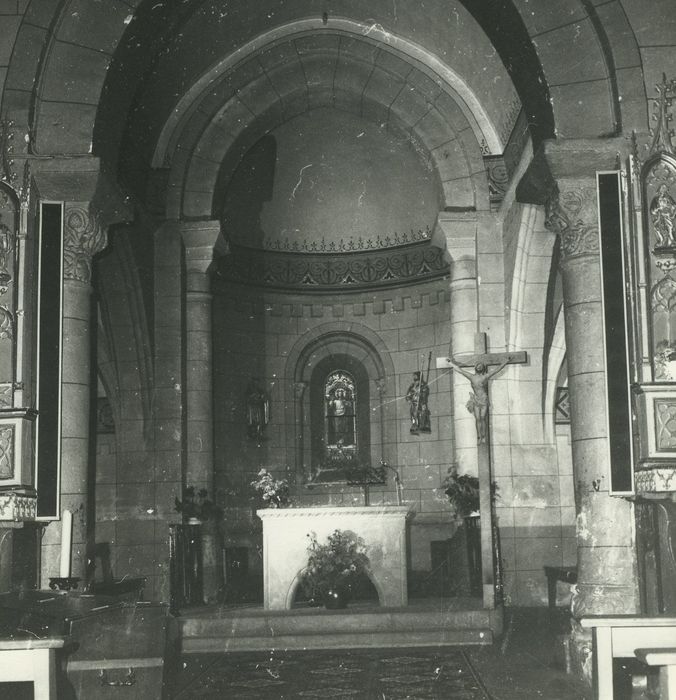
<point x="344" y="245"/>
<point x="410" y="263"/>
<point x="83" y="237"/>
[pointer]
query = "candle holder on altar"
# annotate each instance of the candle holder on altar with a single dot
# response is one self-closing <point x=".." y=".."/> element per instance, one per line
<point x="63" y="583"/>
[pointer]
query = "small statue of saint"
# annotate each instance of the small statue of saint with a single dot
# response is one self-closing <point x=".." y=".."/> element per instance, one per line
<point x="417" y="395"/>
<point x="478" y="399"/>
<point x="257" y="410"/>
<point x="340" y="417"/>
<point x="663" y="215"/>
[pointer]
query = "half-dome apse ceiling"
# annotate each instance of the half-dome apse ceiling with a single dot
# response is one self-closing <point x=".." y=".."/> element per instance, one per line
<point x="330" y="180"/>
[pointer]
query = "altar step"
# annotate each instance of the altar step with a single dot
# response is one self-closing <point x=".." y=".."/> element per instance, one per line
<point x="205" y="630"/>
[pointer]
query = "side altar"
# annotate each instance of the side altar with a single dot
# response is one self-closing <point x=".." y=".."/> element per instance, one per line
<point x="285" y="543"/>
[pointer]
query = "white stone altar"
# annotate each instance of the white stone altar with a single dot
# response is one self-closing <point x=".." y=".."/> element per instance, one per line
<point x="285" y="543"/>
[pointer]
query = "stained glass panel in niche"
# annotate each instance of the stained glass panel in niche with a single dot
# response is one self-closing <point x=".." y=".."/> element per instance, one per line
<point x="660" y="228"/>
<point x="340" y="410"/>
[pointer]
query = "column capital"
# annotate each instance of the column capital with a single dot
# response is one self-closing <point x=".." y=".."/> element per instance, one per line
<point x="83" y="237"/>
<point x="202" y="240"/>
<point x="571" y="213"/>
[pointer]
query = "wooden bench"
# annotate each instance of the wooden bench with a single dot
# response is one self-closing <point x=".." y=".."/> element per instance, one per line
<point x="620" y="636"/>
<point x="666" y="659"/>
<point x="30" y="660"/>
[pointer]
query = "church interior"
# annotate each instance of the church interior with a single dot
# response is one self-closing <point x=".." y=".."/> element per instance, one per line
<point x="306" y="301"/>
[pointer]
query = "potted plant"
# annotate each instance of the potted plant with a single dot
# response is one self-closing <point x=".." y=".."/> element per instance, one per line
<point x="333" y="567"/>
<point x="273" y="492"/>
<point x="463" y="493"/>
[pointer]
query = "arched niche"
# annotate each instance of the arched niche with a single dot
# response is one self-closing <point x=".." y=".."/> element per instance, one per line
<point x="359" y="350"/>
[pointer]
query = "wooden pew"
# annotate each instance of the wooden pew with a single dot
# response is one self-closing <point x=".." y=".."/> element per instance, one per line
<point x="666" y="660"/>
<point x="620" y="636"/>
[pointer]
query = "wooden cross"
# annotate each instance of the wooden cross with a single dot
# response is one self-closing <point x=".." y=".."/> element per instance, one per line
<point x="478" y="405"/>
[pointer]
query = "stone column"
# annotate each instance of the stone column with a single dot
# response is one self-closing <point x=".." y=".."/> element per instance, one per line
<point x="83" y="237"/>
<point x="606" y="554"/>
<point x="459" y="231"/>
<point x="202" y="239"/>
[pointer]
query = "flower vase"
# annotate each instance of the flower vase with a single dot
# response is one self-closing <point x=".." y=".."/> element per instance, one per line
<point x="336" y="598"/>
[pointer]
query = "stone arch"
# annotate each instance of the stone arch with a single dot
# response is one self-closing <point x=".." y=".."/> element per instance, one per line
<point x="220" y="125"/>
<point x="592" y="97"/>
<point x="473" y="109"/>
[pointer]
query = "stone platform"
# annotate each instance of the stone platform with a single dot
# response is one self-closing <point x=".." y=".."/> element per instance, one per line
<point x="429" y="622"/>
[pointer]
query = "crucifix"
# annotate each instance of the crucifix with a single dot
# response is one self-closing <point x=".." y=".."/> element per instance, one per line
<point x="481" y="361"/>
<point x="478" y="405"/>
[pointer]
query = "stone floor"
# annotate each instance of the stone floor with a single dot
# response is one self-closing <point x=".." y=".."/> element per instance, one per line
<point x="526" y="664"/>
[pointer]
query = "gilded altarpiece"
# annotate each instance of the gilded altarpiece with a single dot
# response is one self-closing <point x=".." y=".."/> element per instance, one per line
<point x="653" y="251"/>
<point x="17" y="492"/>
<point x="652" y="185"/>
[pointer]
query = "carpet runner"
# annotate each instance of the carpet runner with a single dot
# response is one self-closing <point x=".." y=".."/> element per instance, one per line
<point x="386" y="674"/>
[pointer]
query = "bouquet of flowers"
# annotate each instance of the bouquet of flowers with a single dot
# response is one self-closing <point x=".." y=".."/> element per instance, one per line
<point x="334" y="565"/>
<point x="274" y="492"/>
<point x="463" y="492"/>
<point x="196" y="505"/>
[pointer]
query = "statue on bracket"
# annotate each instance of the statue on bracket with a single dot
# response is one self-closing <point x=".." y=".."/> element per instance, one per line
<point x="257" y="410"/>
<point x="417" y="396"/>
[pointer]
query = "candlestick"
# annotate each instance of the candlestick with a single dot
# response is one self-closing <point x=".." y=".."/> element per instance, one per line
<point x="66" y="543"/>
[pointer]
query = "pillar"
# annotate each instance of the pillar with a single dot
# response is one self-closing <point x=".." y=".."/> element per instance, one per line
<point x="606" y="555"/>
<point x="202" y="240"/>
<point x="83" y="237"/>
<point x="459" y="231"/>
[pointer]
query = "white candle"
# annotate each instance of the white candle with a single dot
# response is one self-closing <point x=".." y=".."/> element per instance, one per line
<point x="66" y="543"/>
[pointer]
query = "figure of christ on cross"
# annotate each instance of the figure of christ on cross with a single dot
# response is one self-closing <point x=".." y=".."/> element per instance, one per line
<point x="481" y="361"/>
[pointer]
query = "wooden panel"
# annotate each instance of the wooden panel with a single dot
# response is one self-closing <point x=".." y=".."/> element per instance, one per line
<point x="615" y="331"/>
<point x="49" y="361"/>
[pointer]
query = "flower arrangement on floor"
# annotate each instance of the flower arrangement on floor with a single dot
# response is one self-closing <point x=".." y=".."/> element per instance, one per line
<point x="333" y="567"/>
<point x="274" y="492"/>
<point x="196" y="505"/>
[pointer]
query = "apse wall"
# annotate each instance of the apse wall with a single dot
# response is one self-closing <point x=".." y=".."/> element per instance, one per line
<point x="254" y="334"/>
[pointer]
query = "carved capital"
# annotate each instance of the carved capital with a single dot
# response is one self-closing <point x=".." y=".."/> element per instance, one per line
<point x="571" y="213"/>
<point x="16" y="506"/>
<point x="83" y="237"/>
<point x="601" y="599"/>
<point x="299" y="389"/>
